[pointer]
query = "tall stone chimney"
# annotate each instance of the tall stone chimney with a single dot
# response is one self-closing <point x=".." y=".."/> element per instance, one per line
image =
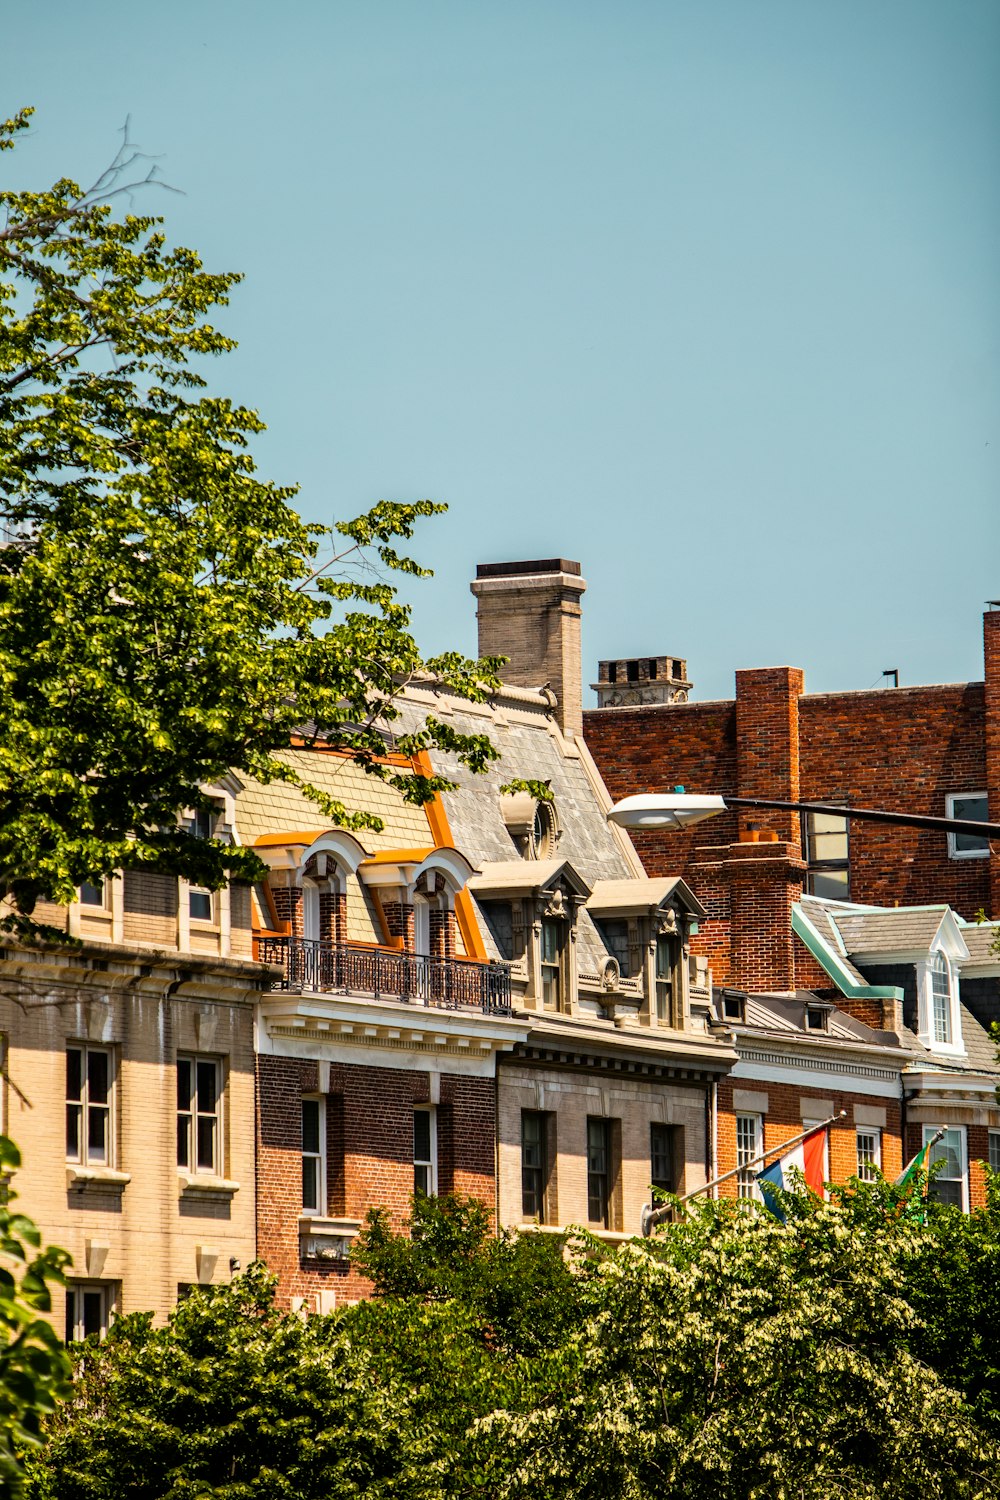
<point x="530" y="613"/>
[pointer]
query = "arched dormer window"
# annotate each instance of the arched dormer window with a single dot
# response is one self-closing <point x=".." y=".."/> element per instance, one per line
<point x="940" y="977"/>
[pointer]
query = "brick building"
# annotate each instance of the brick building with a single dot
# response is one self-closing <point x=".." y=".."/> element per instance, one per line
<point x="128" y="1084"/>
<point x="792" y="900"/>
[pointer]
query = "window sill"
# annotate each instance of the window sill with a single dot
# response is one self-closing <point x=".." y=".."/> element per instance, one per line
<point x="207" y="1185"/>
<point x="79" y="1177"/>
<point x="326" y="1240"/>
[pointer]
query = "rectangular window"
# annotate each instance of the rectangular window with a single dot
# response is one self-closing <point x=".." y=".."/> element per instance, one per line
<point x="666" y="1157"/>
<point x="599" y="1177"/>
<point x="666" y="963"/>
<point x="749" y="1134"/>
<point x="201" y="824"/>
<point x="869" y="1154"/>
<point x="199" y="1114"/>
<point x="88" y="1105"/>
<point x="825" y="840"/>
<point x="88" y="1310"/>
<point x="425" y="1152"/>
<point x="92" y="893"/>
<point x="975" y="807"/>
<point x="552" y="935"/>
<point x="949" y="1185"/>
<point x="534" y="1164"/>
<point x="313" y="1156"/>
<point x="614" y="936"/>
<point x="201" y="904"/>
<point x="995" y="1150"/>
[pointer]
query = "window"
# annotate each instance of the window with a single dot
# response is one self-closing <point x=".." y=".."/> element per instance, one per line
<point x="499" y="917"/>
<point x="666" y="1157"/>
<point x="975" y="807"/>
<point x="543" y="831"/>
<point x="92" y="893"/>
<point x="199" y="1114"/>
<point x="940" y="998"/>
<point x="552" y="936"/>
<point x="949" y="1185"/>
<point x="599" y="1171"/>
<point x="666" y="963"/>
<point x="201" y="823"/>
<point x="869" y="1154"/>
<point x="313" y="1156"/>
<point x="748" y="1148"/>
<point x="995" y="1150"/>
<point x="614" y="936"/>
<point x="88" y="1105"/>
<point x="825" y="845"/>
<point x="733" y="1005"/>
<point x="534" y="1164"/>
<point x="88" y="1310"/>
<point x="425" y="1152"/>
<point x="200" y="904"/>
<point x="817" y="1017"/>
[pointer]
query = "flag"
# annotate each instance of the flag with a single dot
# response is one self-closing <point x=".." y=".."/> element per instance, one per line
<point x="807" y="1156"/>
<point x="917" y="1163"/>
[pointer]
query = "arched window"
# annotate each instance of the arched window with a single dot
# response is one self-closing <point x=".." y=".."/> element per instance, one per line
<point x="940" y="998"/>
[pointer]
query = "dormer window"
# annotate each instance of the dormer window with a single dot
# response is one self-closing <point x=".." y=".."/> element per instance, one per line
<point x="551" y="962"/>
<point x="733" y="1006"/>
<point x="941" y="998"/>
<point x="817" y="1018"/>
<point x="543" y="831"/>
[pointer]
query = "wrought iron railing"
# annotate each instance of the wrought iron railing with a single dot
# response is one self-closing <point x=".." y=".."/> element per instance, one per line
<point x="453" y="984"/>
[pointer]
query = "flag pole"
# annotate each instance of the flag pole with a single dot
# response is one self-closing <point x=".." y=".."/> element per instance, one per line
<point x="651" y="1216"/>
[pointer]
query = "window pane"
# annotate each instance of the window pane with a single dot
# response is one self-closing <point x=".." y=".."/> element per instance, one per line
<point x="97" y="1134"/>
<point x="421" y="1135"/>
<point x="97" y="1077"/>
<point x="183" y="1083"/>
<point x="834" y="884"/>
<point x="206" y="1143"/>
<point x="598" y="1196"/>
<point x="310" y="1183"/>
<point x="310" y="1125"/>
<point x="975" y="807"/>
<point x="74" y="1072"/>
<point x="995" y="1150"/>
<point x="661" y="1157"/>
<point x="551" y="935"/>
<point x="92" y="893"/>
<point x="422" y="1180"/>
<point x="93" y="1314"/>
<point x="184" y="1140"/>
<point x="74" y="1120"/>
<point x="207" y="1073"/>
<point x="201" y="905"/>
<point x="666" y="953"/>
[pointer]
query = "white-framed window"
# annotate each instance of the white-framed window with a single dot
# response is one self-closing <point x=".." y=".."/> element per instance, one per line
<point x="425" y="1150"/>
<point x="994" y="1150"/>
<point x="199" y="1114"/>
<point x="201" y="904"/>
<point x="869" y="1153"/>
<point x="89" y="1309"/>
<point x="975" y="807"/>
<point x="940" y="970"/>
<point x="749" y="1144"/>
<point x="313" y="1154"/>
<point x="89" y="1115"/>
<point x="951" y="1184"/>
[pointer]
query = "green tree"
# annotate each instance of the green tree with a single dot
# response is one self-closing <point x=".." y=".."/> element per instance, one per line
<point x="34" y="1367"/>
<point x="165" y="615"/>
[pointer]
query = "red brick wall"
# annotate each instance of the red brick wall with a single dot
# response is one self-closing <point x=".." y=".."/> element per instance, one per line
<point x="783" y="1120"/>
<point x="369" y="1155"/>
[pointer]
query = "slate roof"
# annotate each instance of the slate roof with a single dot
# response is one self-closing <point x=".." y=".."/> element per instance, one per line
<point x="903" y="929"/>
<point x="281" y="808"/>
<point x="979" y="939"/>
<point x="820" y="914"/>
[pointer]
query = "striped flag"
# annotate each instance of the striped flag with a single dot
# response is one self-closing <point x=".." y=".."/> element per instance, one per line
<point x="807" y="1156"/>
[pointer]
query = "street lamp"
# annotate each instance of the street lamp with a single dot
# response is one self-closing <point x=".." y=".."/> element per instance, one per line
<point x="679" y="810"/>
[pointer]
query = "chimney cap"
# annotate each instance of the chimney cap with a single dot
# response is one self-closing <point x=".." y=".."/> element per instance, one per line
<point x="512" y="569"/>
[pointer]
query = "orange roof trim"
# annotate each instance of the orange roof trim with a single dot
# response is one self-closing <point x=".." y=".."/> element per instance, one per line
<point x="299" y="836"/>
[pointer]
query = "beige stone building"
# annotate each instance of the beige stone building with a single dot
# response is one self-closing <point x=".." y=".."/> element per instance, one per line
<point x="128" y="1085"/>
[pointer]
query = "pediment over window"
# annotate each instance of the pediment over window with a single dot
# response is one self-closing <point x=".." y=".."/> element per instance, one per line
<point x="514" y="877"/>
<point x="624" y="898"/>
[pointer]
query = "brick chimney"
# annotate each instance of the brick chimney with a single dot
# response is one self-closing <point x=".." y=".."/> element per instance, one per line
<point x="530" y="613"/>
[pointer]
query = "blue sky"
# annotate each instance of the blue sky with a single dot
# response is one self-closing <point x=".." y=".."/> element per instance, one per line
<point x="702" y="293"/>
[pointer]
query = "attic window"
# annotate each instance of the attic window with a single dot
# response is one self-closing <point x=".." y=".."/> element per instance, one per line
<point x="816" y="1018"/>
<point x="543" y="831"/>
<point x="733" y="1005"/>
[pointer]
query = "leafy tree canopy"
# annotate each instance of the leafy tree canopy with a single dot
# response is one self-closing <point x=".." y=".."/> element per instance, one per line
<point x="34" y="1367"/>
<point x="165" y="615"/>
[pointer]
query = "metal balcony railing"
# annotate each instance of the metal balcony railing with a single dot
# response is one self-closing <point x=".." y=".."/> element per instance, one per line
<point x="337" y="968"/>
